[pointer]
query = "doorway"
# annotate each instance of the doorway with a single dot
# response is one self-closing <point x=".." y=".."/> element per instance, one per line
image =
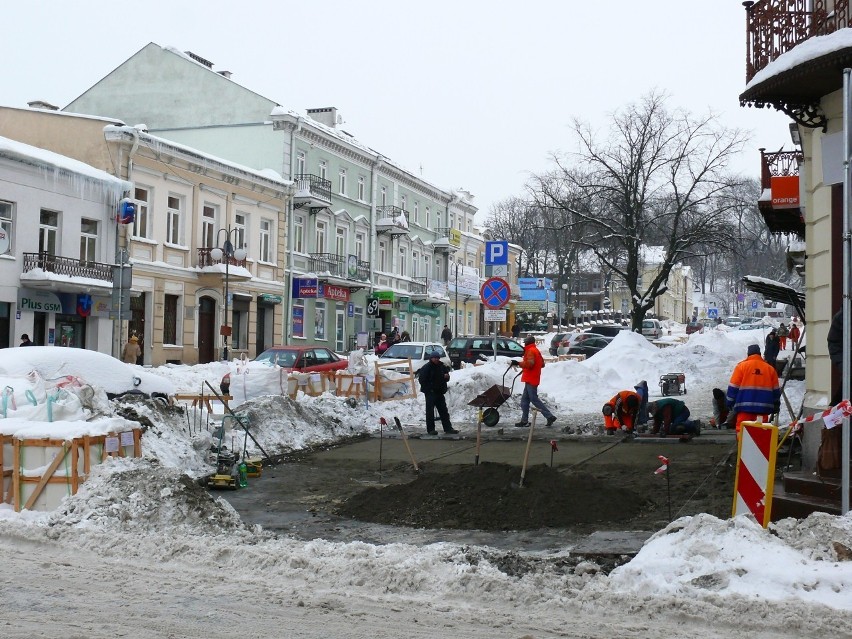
<point x="206" y="330"/>
<point x="340" y="330"/>
<point x="136" y="325"/>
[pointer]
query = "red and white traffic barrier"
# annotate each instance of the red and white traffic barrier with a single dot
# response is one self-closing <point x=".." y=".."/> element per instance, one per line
<point x="831" y="416"/>
<point x="758" y="446"/>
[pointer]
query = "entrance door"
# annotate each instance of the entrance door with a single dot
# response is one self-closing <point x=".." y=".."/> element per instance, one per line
<point x="206" y="330"/>
<point x="136" y="325"/>
<point x="340" y="329"/>
<point x="70" y="331"/>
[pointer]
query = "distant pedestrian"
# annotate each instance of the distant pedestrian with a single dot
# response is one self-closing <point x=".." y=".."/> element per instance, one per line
<point x="783" y="332"/>
<point x="795" y="333"/>
<point x="433" y="377"/>
<point x="771" y="348"/>
<point x="532" y="363"/>
<point x="516" y="330"/>
<point x="405" y="337"/>
<point x="25" y="340"/>
<point x="446" y="335"/>
<point x="383" y="345"/>
<point x="131" y="350"/>
<point x="393" y="338"/>
<point x="753" y="390"/>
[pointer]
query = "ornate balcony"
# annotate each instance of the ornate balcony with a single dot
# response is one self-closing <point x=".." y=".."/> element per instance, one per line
<point x="68" y="266"/>
<point x="339" y="266"/>
<point x="448" y="240"/>
<point x="391" y="220"/>
<point x="205" y="259"/>
<point x="312" y="192"/>
<point x="780" y="215"/>
<point x="775" y="27"/>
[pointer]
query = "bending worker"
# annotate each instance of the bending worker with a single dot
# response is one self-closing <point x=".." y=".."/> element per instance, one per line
<point x="621" y="412"/>
<point x="671" y="417"/>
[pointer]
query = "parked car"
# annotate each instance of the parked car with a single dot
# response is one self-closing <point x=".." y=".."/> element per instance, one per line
<point x="733" y="321"/>
<point x="652" y="328"/>
<point x="610" y="330"/>
<point x="417" y="351"/>
<point x="469" y="349"/>
<point x="555" y="341"/>
<point x="752" y="323"/>
<point x="304" y="359"/>
<point x="573" y="339"/>
<point x="591" y="346"/>
<point x="694" y="327"/>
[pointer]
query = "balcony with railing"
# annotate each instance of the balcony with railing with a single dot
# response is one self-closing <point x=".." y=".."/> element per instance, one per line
<point x="339" y="266"/>
<point x="779" y="200"/>
<point x="312" y="192"/>
<point x="392" y="220"/>
<point x="205" y="259"/>
<point x="425" y="289"/>
<point x="68" y="266"/>
<point x="448" y="239"/>
<point x="775" y="27"/>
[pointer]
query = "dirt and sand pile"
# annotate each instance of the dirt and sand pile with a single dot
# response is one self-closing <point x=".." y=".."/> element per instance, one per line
<point x="489" y="497"/>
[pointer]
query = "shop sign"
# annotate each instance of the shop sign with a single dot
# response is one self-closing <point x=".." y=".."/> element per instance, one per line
<point x="785" y="191"/>
<point x="385" y="299"/>
<point x="268" y="298"/>
<point x="304" y="287"/>
<point x="298" y="321"/>
<point x="424" y="310"/>
<point x="455" y="237"/>
<point x="337" y="293"/>
<point x="38" y="301"/>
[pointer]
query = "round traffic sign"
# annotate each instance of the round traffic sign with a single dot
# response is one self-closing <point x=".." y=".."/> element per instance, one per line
<point x="495" y="293"/>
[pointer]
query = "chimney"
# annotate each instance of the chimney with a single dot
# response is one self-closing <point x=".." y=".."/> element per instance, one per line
<point x="41" y="104"/>
<point x="327" y="116"/>
<point x="225" y="74"/>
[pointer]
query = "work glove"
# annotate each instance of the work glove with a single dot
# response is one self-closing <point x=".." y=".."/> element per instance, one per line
<point x="515" y="362"/>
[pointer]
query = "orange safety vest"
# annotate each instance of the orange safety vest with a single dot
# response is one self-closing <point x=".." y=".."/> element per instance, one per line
<point x="532" y="363"/>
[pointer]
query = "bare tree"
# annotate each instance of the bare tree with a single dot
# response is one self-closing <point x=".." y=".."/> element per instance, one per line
<point x="514" y="220"/>
<point x="658" y="175"/>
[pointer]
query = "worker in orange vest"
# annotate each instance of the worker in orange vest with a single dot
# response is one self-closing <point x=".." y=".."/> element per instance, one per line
<point x="621" y="412"/>
<point x="532" y="363"/>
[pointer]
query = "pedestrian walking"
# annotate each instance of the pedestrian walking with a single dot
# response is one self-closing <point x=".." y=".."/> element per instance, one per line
<point x="795" y="333"/>
<point x="783" y="332"/>
<point x="532" y="363"/>
<point x="446" y="335"/>
<point x="131" y="350"/>
<point x="771" y="348"/>
<point x="433" y="377"/>
<point x="25" y="340"/>
<point x="753" y="391"/>
<point x="516" y="330"/>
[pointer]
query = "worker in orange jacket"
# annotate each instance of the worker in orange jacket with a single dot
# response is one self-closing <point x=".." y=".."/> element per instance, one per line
<point x="532" y="363"/>
<point x="621" y="412"/>
<point x="753" y="391"/>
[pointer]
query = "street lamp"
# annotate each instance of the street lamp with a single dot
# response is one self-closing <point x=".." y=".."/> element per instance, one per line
<point x="564" y="293"/>
<point x="228" y="252"/>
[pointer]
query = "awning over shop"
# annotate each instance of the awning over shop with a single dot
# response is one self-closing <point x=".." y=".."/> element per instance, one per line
<point x="777" y="292"/>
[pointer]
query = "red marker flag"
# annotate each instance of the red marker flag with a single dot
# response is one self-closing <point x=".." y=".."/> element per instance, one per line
<point x="553" y="445"/>
<point x="664" y="467"/>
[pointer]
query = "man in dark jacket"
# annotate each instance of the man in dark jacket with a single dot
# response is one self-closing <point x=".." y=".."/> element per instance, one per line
<point x="671" y="417"/>
<point x="433" y="377"/>
<point x="25" y="340"/>
<point x="446" y="335"/>
<point x="773" y="345"/>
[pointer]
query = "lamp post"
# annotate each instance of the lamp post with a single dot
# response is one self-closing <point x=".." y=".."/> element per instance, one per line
<point x="228" y="252"/>
<point x="564" y="297"/>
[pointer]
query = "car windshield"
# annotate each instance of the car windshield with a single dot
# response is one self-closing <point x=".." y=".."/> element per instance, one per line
<point x="403" y="351"/>
<point x="281" y="357"/>
<point x="459" y="342"/>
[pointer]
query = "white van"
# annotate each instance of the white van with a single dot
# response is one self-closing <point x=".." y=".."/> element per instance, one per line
<point x="652" y="329"/>
<point x="778" y="314"/>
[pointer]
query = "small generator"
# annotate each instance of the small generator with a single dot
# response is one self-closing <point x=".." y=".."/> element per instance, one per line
<point x="673" y="384"/>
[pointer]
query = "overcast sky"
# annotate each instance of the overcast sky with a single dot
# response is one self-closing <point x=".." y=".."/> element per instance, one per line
<point x="474" y="94"/>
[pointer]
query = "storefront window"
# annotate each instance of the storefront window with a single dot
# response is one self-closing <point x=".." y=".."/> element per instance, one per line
<point x="319" y="319"/>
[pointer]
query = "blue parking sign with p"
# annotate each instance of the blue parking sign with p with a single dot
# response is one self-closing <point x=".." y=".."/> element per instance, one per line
<point x="496" y="253"/>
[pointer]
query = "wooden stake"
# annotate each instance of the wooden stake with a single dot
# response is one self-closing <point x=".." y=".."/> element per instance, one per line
<point x="527" y="452"/>
<point x="478" y="436"/>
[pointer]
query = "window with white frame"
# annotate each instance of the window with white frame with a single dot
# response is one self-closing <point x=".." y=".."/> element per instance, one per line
<point x="265" y="241"/>
<point x="299" y="233"/>
<point x="403" y="259"/>
<point x="383" y="249"/>
<point x="300" y="163"/>
<point x="340" y="241"/>
<point x="384" y="195"/>
<point x="403" y="200"/>
<point x="88" y="240"/>
<point x="417" y="212"/>
<point x="6" y="220"/>
<point x="469" y="226"/>
<point x="361" y="189"/>
<point x="320" y="245"/>
<point x="437" y="271"/>
<point x="415" y="258"/>
<point x="319" y="320"/>
<point x="437" y="219"/>
<point x="239" y="229"/>
<point x="48" y="230"/>
<point x="171" y="319"/>
<point x="426" y="265"/>
<point x="208" y="226"/>
<point x="142" y="197"/>
<point x="323" y="169"/>
<point x="341" y="182"/>
<point x="428" y="220"/>
<point x="359" y="245"/>
<point x="174" y="220"/>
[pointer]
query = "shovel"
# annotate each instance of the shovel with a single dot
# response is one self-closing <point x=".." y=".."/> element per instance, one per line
<point x="527" y="452"/>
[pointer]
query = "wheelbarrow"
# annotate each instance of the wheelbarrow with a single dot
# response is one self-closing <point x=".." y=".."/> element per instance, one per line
<point x="492" y="399"/>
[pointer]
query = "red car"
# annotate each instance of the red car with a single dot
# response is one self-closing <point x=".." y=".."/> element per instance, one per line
<point x="304" y="359"/>
<point x="694" y="327"/>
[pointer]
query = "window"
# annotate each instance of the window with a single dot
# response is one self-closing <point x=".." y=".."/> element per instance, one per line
<point x="299" y="234"/>
<point x="437" y="271"/>
<point x="384" y="193"/>
<point x="299" y="318"/>
<point x="6" y="220"/>
<point x="239" y="229"/>
<point x="208" y="226"/>
<point x="382" y="255"/>
<point x="265" y="241"/>
<point x="359" y="245"/>
<point x="239" y="324"/>
<point x="340" y="241"/>
<point x="341" y="183"/>
<point x="415" y="257"/>
<point x="140" y="222"/>
<point x="319" y="320"/>
<point x="300" y="163"/>
<point x="426" y="266"/>
<point x="320" y="246"/>
<point x="403" y="203"/>
<point x="323" y="169"/>
<point x="170" y="319"/>
<point x="47" y="231"/>
<point x="403" y="258"/>
<point x="428" y="221"/>
<point x="417" y="212"/>
<point x="88" y="241"/>
<point x="173" y="220"/>
<point x="468" y="227"/>
<point x="361" y="189"/>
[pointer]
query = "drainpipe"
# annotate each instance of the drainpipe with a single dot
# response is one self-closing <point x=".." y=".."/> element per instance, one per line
<point x="374" y="240"/>
<point x="121" y="256"/>
<point x="288" y="294"/>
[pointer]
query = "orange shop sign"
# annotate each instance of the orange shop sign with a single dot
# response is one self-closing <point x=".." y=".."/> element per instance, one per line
<point x="785" y="192"/>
